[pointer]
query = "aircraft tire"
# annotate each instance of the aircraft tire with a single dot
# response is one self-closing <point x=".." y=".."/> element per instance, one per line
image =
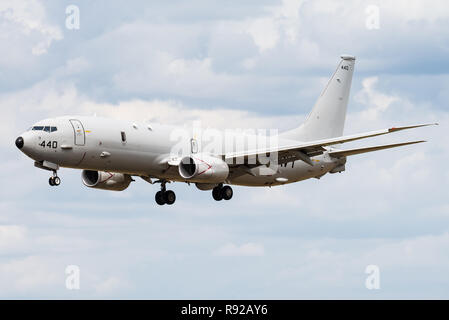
<point x="226" y="193"/>
<point x="217" y="194"/>
<point x="169" y="197"/>
<point x="159" y="197"/>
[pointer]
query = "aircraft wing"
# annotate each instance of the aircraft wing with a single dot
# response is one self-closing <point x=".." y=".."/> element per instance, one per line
<point x="309" y="149"/>
<point x="351" y="152"/>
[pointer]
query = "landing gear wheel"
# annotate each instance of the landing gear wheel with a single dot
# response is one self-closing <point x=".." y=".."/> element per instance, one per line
<point x="164" y="196"/>
<point x="56" y="181"/>
<point x="216" y="194"/>
<point x="226" y="192"/>
<point x="160" y="199"/>
<point x="169" y="197"/>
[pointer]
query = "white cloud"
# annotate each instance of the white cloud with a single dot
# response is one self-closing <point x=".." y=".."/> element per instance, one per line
<point x="166" y="73"/>
<point x="280" y="20"/>
<point x="264" y="32"/>
<point x="76" y="66"/>
<point x="245" y="250"/>
<point x="49" y="99"/>
<point x="29" y="17"/>
<point x="409" y="267"/>
<point x="110" y="286"/>
<point x="12" y="236"/>
<point x="314" y="237"/>
<point x="423" y="251"/>
<point x="179" y="67"/>
<point x="416" y="10"/>
<point x="375" y="102"/>
<point x="29" y="275"/>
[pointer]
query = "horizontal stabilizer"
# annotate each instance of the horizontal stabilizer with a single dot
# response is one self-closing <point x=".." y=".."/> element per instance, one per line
<point x="351" y="152"/>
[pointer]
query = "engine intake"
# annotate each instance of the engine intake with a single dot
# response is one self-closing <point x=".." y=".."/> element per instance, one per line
<point x="106" y="180"/>
<point x="203" y="168"/>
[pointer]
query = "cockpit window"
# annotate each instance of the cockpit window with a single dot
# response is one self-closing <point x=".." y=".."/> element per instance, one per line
<point x="46" y="128"/>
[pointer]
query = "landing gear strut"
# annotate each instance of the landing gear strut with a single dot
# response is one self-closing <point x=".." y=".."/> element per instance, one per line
<point x="221" y="192"/>
<point x="165" y="196"/>
<point x="54" y="180"/>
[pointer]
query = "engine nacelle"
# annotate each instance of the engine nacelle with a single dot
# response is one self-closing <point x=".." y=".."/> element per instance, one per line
<point x="105" y="180"/>
<point x="203" y="168"/>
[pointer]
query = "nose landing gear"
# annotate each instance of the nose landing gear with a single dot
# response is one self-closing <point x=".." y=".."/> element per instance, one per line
<point x="165" y="196"/>
<point x="221" y="192"/>
<point x="54" y="180"/>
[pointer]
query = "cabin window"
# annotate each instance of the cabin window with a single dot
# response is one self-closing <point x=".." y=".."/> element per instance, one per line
<point x="123" y="136"/>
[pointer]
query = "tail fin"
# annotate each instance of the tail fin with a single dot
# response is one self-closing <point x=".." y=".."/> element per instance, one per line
<point x="327" y="118"/>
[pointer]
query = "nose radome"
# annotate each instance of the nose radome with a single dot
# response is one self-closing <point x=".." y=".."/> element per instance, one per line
<point x="19" y="142"/>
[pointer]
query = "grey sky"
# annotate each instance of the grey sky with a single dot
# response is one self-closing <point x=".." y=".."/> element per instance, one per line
<point x="258" y="64"/>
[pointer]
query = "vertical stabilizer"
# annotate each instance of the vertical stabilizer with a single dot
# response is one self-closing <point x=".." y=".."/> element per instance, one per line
<point x="327" y="118"/>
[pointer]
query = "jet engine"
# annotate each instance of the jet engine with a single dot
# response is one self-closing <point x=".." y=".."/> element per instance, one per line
<point x="105" y="180"/>
<point x="203" y="168"/>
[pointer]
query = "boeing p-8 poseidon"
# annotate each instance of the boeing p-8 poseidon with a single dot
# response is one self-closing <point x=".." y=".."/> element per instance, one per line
<point x="112" y="152"/>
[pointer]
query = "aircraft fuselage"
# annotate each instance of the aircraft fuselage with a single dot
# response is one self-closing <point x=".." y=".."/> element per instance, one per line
<point x="139" y="149"/>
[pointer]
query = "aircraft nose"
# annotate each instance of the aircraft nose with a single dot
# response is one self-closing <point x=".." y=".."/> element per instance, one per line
<point x="19" y="142"/>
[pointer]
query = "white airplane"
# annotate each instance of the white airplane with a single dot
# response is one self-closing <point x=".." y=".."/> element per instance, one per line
<point x="111" y="152"/>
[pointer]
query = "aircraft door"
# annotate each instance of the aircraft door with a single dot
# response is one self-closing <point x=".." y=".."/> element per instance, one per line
<point x="193" y="146"/>
<point x="78" y="130"/>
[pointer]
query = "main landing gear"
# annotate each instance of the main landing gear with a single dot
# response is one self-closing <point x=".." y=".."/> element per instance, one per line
<point x="165" y="196"/>
<point x="54" y="180"/>
<point x="221" y="192"/>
